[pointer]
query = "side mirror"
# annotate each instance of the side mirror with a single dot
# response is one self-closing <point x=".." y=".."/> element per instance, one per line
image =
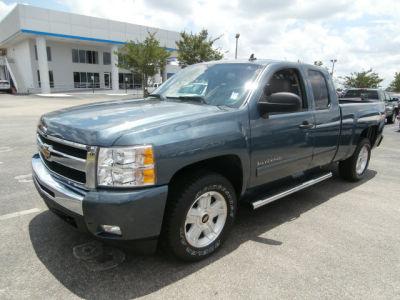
<point x="280" y="102"/>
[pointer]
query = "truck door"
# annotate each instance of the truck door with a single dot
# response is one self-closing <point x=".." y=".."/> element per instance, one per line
<point x="280" y="142"/>
<point x="326" y="132"/>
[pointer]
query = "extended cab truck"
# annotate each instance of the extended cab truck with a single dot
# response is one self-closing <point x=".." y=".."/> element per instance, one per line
<point x="173" y="167"/>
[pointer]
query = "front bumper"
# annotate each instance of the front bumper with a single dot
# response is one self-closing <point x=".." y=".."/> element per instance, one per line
<point x="139" y="213"/>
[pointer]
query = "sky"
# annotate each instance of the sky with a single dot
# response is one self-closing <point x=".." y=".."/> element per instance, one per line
<point x="359" y="34"/>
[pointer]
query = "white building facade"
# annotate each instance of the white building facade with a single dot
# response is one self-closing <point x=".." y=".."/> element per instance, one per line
<point x="44" y="51"/>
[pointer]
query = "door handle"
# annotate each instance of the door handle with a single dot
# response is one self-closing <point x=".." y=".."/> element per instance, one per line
<point x="306" y="125"/>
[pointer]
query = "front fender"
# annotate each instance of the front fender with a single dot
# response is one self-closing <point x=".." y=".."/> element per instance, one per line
<point x="187" y="142"/>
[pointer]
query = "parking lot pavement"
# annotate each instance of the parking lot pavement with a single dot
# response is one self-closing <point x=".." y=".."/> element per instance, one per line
<point x="333" y="240"/>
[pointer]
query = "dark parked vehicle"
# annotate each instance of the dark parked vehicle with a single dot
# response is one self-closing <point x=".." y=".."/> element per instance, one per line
<point x="173" y="167"/>
<point x="373" y="95"/>
<point x="395" y="98"/>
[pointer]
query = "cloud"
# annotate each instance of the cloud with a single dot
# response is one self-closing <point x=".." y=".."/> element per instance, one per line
<point x="359" y="34"/>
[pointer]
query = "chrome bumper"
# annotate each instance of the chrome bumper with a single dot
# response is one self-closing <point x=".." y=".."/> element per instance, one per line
<point x="55" y="190"/>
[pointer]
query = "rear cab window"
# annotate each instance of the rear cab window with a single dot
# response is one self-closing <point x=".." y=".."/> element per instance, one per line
<point x="320" y="90"/>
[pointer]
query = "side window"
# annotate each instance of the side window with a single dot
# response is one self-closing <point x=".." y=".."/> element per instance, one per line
<point x="288" y="81"/>
<point x="320" y="89"/>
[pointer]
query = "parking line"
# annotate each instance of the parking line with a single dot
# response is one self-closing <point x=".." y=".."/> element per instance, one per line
<point x="19" y="213"/>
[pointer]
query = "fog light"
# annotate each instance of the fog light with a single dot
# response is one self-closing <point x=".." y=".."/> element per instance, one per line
<point x="112" y="229"/>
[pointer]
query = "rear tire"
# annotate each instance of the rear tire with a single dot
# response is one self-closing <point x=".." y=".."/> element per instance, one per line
<point x="200" y="213"/>
<point x="354" y="168"/>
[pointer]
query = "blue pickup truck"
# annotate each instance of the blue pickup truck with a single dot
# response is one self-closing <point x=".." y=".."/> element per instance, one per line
<point x="169" y="170"/>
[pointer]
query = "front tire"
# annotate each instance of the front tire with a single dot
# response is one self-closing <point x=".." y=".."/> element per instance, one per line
<point x="199" y="215"/>
<point x="354" y="168"/>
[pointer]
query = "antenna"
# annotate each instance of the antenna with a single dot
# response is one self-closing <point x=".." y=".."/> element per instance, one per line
<point x="252" y="57"/>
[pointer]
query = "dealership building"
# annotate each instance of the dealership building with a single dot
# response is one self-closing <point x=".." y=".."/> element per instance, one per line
<point x="44" y="51"/>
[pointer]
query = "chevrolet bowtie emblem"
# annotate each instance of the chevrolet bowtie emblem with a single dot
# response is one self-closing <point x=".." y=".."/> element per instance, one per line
<point x="45" y="151"/>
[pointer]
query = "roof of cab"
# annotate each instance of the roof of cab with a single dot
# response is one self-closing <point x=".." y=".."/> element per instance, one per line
<point x="261" y="62"/>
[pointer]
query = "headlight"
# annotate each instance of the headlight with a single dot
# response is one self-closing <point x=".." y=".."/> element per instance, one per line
<point x="126" y="166"/>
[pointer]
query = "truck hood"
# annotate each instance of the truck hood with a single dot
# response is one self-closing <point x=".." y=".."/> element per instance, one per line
<point x="101" y="124"/>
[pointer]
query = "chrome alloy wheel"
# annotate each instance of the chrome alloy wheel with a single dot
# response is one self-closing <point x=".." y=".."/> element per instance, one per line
<point x="362" y="160"/>
<point x="205" y="219"/>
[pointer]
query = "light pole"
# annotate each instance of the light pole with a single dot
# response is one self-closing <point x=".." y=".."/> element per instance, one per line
<point x="237" y="39"/>
<point x="333" y="61"/>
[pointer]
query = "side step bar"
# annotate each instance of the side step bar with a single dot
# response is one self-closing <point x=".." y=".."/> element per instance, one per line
<point x="306" y="184"/>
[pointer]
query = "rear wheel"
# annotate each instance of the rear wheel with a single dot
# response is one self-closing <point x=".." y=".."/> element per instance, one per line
<point x="354" y="168"/>
<point x="199" y="215"/>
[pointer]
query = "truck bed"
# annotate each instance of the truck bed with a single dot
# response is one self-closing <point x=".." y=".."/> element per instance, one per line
<point x="356" y="117"/>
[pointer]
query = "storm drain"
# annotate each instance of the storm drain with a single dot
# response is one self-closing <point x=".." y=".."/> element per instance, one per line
<point x="98" y="257"/>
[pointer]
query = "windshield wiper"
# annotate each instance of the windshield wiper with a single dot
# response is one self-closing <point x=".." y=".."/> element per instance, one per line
<point x="194" y="98"/>
<point x="159" y="96"/>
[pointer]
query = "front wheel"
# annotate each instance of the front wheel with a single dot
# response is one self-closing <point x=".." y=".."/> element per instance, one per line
<point x="354" y="168"/>
<point x="199" y="216"/>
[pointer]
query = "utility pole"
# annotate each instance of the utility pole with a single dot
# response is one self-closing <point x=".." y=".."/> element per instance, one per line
<point x="237" y="38"/>
<point x="333" y="61"/>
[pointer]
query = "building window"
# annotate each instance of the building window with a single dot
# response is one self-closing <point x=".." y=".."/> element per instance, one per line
<point x="85" y="56"/>
<point x="75" y="56"/>
<point x="86" y="80"/>
<point x="132" y="80"/>
<point x="51" y="79"/>
<point x="106" y="58"/>
<point x="89" y="57"/>
<point x="125" y="80"/>
<point x="48" y="51"/>
<point x="82" y="56"/>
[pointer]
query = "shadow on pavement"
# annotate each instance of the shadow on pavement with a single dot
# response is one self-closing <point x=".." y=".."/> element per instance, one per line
<point x="53" y="241"/>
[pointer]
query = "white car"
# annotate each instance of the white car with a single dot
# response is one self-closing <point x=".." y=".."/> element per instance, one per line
<point x="5" y="85"/>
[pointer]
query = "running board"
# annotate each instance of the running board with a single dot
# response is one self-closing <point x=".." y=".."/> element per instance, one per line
<point x="306" y="184"/>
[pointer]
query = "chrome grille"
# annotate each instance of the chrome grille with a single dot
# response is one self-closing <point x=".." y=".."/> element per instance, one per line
<point x="72" y="161"/>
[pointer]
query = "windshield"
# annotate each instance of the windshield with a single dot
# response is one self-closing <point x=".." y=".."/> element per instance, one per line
<point x="214" y="84"/>
<point x="364" y="94"/>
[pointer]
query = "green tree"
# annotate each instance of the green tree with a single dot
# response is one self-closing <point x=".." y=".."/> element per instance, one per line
<point x="195" y="48"/>
<point x="145" y="58"/>
<point x="318" y="63"/>
<point x="395" y="84"/>
<point x="364" y="79"/>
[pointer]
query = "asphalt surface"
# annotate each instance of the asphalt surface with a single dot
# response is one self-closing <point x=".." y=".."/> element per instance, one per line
<point x="333" y="240"/>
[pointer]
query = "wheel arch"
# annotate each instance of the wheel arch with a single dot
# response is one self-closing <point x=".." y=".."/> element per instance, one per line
<point x="370" y="133"/>
<point x="230" y="166"/>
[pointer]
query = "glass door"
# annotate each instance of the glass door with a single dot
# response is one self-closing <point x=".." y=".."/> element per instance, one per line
<point x="107" y="80"/>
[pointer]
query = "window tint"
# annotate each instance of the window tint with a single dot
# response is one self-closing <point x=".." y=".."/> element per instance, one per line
<point x="75" y="56"/>
<point x="86" y="80"/>
<point x="51" y="79"/>
<point x="287" y="80"/>
<point x="320" y="89"/>
<point x="82" y="56"/>
<point x="106" y="58"/>
<point x="48" y="52"/>
<point x="95" y="57"/>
